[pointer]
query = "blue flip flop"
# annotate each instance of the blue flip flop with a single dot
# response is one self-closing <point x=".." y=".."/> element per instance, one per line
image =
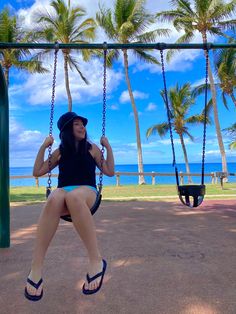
<point x="90" y="279"/>
<point x="36" y="286"/>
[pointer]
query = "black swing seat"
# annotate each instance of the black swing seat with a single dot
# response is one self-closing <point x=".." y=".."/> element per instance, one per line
<point x="92" y="210"/>
<point x="191" y="195"/>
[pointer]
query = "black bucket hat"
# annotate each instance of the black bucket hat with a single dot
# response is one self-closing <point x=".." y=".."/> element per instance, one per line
<point x="68" y="117"/>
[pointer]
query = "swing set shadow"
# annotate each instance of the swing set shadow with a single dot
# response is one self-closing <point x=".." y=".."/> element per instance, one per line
<point x="190" y="195"/>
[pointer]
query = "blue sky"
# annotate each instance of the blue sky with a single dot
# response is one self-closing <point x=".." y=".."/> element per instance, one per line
<point x="30" y="97"/>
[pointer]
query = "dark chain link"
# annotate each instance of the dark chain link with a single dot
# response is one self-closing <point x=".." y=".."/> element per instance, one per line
<point x="205" y="113"/>
<point x="169" y="115"/>
<point x="52" y="115"/>
<point x="103" y="113"/>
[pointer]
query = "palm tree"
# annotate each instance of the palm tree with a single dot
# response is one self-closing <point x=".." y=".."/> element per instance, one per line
<point x="128" y="23"/>
<point x="204" y="16"/>
<point x="225" y="63"/>
<point x="180" y="100"/>
<point x="65" y="25"/>
<point x="232" y="131"/>
<point x="22" y="59"/>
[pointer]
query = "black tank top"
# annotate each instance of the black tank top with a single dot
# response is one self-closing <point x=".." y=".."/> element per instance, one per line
<point x="76" y="169"/>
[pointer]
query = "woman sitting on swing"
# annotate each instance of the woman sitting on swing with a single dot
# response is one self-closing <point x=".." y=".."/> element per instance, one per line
<point x="75" y="195"/>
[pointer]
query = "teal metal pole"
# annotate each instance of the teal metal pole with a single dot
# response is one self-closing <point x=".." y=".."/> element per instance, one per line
<point x="116" y="46"/>
<point x="4" y="164"/>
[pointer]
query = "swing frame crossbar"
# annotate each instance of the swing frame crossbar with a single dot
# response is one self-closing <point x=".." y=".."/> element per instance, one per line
<point x="4" y="108"/>
<point x="105" y="45"/>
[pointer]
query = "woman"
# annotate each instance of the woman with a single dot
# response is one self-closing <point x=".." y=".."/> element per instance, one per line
<point x="76" y="193"/>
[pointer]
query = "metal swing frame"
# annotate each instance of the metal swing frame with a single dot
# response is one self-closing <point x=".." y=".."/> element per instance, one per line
<point x="190" y="195"/>
<point x="4" y="109"/>
<point x="98" y="200"/>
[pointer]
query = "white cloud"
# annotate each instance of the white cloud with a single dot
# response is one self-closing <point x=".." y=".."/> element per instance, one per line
<point x="137" y="95"/>
<point x="23" y="143"/>
<point x="160" y="142"/>
<point x="28" y="15"/>
<point x="151" y="107"/>
<point x="92" y="7"/>
<point x="132" y="114"/>
<point x="38" y="87"/>
<point x="113" y="107"/>
<point x="124" y="97"/>
<point x="215" y="152"/>
<point x="19" y="137"/>
<point x="181" y="62"/>
<point x="203" y="81"/>
<point x="27" y="135"/>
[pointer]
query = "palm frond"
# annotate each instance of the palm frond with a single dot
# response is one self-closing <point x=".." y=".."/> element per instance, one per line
<point x="185" y="6"/>
<point x="231" y="129"/>
<point x="200" y="89"/>
<point x="74" y="64"/>
<point x="187" y="37"/>
<point x="168" y="16"/>
<point x="186" y="132"/>
<point x="144" y="56"/>
<point x="122" y="11"/>
<point x="232" y="145"/>
<point x="85" y="31"/>
<point x="160" y="129"/>
<point x="225" y="100"/>
<point x="152" y="35"/>
<point x="112" y="56"/>
<point x="104" y="19"/>
<point x="32" y="66"/>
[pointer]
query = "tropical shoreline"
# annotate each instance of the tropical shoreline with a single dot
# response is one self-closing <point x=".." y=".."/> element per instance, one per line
<point x="131" y="168"/>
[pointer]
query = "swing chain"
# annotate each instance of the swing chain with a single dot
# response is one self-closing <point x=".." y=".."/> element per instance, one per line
<point x="103" y="113"/>
<point x="168" y="115"/>
<point x="205" y="113"/>
<point x="51" y="116"/>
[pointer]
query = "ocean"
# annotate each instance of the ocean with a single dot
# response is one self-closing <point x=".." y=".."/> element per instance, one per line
<point x="124" y="180"/>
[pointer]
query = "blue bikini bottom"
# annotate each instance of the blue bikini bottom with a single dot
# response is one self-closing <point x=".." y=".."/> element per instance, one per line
<point x="70" y="188"/>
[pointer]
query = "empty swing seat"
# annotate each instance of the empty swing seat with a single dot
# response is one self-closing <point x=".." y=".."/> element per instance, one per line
<point x="191" y="195"/>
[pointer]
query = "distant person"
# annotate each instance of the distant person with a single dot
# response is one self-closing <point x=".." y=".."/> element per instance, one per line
<point x="75" y="194"/>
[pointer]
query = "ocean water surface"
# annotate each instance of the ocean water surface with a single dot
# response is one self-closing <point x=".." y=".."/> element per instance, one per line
<point x="124" y="179"/>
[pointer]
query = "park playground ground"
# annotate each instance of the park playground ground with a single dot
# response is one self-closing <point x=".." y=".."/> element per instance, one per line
<point x="163" y="258"/>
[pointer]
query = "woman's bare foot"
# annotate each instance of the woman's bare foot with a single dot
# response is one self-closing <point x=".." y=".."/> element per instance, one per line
<point x="35" y="277"/>
<point x="94" y="269"/>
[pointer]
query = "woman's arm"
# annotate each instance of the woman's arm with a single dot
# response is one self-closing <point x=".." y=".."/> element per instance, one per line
<point x="41" y="166"/>
<point x="107" y="166"/>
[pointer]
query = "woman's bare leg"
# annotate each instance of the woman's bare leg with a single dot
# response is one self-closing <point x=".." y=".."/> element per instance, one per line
<point x="79" y="203"/>
<point x="47" y="226"/>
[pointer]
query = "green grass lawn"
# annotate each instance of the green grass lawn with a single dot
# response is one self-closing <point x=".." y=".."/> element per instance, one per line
<point x="34" y="194"/>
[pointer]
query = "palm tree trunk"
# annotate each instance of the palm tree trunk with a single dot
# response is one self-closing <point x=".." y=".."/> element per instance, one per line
<point x="67" y="81"/>
<point x="216" y="116"/>
<point x="217" y="122"/>
<point x="6" y="75"/>
<point x="139" y="147"/>
<point x="185" y="157"/>
<point x="233" y="98"/>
